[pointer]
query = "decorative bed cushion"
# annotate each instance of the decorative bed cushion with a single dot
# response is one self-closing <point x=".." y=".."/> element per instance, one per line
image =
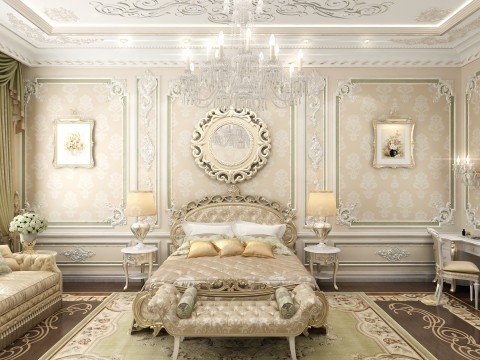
<point x="229" y="247"/>
<point x="186" y="303"/>
<point x="285" y="303"/>
<point x="201" y="249"/>
<point x="185" y="247"/>
<point x="259" y="249"/>
<point x="5" y="251"/>
<point x="467" y="267"/>
<point x="278" y="247"/>
<point x="4" y="268"/>
<point x="242" y="228"/>
<point x="197" y="228"/>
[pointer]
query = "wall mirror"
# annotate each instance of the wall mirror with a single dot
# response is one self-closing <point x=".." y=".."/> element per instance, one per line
<point x="231" y="145"/>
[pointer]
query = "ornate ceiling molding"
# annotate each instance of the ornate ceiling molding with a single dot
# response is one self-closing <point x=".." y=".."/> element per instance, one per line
<point x="214" y="9"/>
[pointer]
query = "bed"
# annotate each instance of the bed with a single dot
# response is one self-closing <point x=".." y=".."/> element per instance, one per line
<point x="228" y="277"/>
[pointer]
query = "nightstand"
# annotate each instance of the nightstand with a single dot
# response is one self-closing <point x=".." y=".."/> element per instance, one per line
<point x="323" y="256"/>
<point x="138" y="256"/>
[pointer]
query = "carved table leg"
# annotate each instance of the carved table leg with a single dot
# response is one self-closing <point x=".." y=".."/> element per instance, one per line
<point x="125" y="269"/>
<point x="335" y="269"/>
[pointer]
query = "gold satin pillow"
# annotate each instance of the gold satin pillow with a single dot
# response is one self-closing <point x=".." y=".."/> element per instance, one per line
<point x="201" y="249"/>
<point x="229" y="247"/>
<point x="259" y="249"/>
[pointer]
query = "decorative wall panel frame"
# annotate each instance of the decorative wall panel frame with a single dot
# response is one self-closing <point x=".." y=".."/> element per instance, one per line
<point x="117" y="89"/>
<point x="171" y="201"/>
<point x="148" y="141"/>
<point x="442" y="89"/>
<point x="315" y="148"/>
<point x="471" y="88"/>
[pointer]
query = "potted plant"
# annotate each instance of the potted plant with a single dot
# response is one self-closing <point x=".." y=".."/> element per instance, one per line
<point x="29" y="225"/>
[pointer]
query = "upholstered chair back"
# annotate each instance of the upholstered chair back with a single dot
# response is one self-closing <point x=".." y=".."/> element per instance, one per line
<point x="437" y="248"/>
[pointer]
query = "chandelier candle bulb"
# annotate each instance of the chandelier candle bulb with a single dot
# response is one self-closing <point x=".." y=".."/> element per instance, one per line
<point x="272" y="46"/>
<point x="248" y="37"/>
<point x="192" y="67"/>
<point x="209" y="50"/>
<point x="292" y="70"/>
<point x="300" y="60"/>
<point x="187" y="59"/>
<point x="277" y="50"/>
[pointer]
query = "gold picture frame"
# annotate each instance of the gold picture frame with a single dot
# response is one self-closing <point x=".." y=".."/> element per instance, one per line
<point x="393" y="143"/>
<point x="73" y="143"/>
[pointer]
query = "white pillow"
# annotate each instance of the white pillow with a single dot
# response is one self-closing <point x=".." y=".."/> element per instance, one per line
<point x="242" y="228"/>
<point x="197" y="228"/>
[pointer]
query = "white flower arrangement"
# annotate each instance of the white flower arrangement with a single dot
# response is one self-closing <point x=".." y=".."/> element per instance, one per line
<point x="28" y="223"/>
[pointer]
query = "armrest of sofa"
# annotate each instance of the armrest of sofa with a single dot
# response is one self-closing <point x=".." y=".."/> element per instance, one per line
<point x="36" y="262"/>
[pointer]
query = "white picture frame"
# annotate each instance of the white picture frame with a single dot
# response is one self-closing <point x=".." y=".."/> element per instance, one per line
<point x="73" y="143"/>
<point x="393" y="143"/>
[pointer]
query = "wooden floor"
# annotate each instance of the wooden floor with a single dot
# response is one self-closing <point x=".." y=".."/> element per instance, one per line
<point x="462" y="292"/>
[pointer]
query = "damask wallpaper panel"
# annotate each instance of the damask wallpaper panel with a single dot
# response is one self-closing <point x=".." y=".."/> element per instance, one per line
<point x="472" y="113"/>
<point x="74" y="195"/>
<point x="187" y="181"/>
<point x="387" y="195"/>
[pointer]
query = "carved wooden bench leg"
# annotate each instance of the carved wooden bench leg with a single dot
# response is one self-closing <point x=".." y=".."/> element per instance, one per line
<point x="291" y="342"/>
<point x="176" y="346"/>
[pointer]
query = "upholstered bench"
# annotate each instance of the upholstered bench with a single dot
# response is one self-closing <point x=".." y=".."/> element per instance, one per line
<point x="235" y="318"/>
<point x="28" y="294"/>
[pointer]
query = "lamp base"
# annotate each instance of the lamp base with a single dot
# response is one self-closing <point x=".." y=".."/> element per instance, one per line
<point x="140" y="229"/>
<point x="321" y="230"/>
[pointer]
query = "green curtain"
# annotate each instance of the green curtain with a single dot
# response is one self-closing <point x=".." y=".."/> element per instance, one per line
<point x="11" y="110"/>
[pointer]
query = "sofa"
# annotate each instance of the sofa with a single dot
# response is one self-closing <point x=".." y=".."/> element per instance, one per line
<point x="29" y="294"/>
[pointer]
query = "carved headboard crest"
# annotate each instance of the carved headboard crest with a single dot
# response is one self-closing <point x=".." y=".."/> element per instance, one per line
<point x="234" y="207"/>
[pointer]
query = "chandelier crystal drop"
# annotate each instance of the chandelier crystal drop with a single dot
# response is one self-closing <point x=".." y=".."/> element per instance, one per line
<point x="238" y="75"/>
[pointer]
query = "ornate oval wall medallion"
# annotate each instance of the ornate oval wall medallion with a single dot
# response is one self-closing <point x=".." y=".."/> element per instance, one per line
<point x="231" y="145"/>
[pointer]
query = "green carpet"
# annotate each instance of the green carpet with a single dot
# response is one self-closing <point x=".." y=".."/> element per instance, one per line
<point x="358" y="329"/>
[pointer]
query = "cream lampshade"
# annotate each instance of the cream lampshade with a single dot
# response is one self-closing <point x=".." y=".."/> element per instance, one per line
<point x="320" y="205"/>
<point x="140" y="203"/>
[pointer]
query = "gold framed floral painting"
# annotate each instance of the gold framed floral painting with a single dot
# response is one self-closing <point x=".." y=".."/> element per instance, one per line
<point x="393" y="143"/>
<point x="73" y="143"/>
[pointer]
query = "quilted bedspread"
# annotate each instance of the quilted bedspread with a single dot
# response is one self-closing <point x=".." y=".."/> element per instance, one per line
<point x="283" y="270"/>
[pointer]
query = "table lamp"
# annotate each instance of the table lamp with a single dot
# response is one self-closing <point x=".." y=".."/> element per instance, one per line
<point x="139" y="204"/>
<point x="320" y="205"/>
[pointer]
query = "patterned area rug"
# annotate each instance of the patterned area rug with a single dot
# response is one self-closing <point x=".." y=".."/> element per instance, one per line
<point x="358" y="329"/>
<point x="449" y="331"/>
<point x="46" y="334"/>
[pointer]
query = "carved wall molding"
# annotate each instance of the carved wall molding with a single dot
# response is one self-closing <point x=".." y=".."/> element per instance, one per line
<point x="445" y="215"/>
<point x="345" y="214"/>
<point x="118" y="215"/>
<point x="117" y="90"/>
<point x="393" y="254"/>
<point x="443" y="88"/>
<point x="31" y="88"/>
<point x="78" y="254"/>
<point x="345" y="89"/>
<point x="146" y="86"/>
<point x="472" y="86"/>
<point x="316" y="88"/>
<point x="471" y="214"/>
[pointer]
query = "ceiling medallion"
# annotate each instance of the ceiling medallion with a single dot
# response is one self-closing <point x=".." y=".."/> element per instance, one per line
<point x="237" y="76"/>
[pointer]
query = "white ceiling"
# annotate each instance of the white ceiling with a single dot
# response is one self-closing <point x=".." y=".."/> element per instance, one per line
<point x="153" y="32"/>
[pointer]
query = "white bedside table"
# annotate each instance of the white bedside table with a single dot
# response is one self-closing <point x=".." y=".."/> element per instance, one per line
<point x="323" y="256"/>
<point x="138" y="256"/>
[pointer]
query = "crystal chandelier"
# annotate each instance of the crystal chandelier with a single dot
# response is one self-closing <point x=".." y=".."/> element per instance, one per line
<point x="238" y="75"/>
<point x="464" y="171"/>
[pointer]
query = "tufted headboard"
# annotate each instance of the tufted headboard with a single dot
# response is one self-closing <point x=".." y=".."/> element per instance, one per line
<point x="234" y="207"/>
